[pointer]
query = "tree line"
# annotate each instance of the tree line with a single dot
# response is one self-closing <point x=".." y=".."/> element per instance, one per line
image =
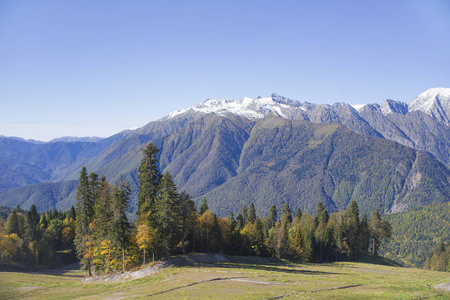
<point x="439" y="258"/>
<point x="167" y="222"/>
<point x="34" y="239"/>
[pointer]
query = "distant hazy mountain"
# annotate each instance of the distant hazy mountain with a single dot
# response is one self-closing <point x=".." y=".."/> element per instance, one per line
<point x="21" y="139"/>
<point x="71" y="139"/>
<point x="266" y="150"/>
<point x="24" y="162"/>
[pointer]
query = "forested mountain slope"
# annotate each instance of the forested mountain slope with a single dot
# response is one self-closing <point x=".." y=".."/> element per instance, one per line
<point x="302" y="163"/>
<point x="236" y="161"/>
<point x="415" y="232"/>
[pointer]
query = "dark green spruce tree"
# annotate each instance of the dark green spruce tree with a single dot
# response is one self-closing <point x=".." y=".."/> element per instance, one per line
<point x="298" y="213"/>
<point x="252" y="214"/>
<point x="203" y="207"/>
<point x="168" y="213"/>
<point x="86" y="195"/>
<point x="272" y="216"/>
<point x="188" y="217"/>
<point x="13" y="224"/>
<point x="120" y="227"/>
<point x="353" y="229"/>
<point x="149" y="178"/>
<point x="286" y="215"/>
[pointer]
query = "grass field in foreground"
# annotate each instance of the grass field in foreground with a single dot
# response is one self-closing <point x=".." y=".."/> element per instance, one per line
<point x="241" y="278"/>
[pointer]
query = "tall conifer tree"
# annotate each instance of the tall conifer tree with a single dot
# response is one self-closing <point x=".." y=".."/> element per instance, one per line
<point x="120" y="227"/>
<point x="149" y="178"/>
<point x="86" y="196"/>
<point x="189" y="216"/>
<point x="203" y="207"/>
<point x="13" y="224"/>
<point x="272" y="216"/>
<point x="168" y="213"/>
<point x="252" y="213"/>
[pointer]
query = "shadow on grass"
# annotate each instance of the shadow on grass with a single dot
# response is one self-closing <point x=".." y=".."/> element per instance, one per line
<point x="72" y="270"/>
<point x="271" y="265"/>
<point x="377" y="260"/>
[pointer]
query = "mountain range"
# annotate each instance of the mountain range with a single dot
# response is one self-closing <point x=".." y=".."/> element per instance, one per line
<point x="270" y="150"/>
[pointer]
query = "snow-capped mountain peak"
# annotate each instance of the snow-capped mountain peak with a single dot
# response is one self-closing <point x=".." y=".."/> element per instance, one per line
<point x="247" y="107"/>
<point x="434" y="102"/>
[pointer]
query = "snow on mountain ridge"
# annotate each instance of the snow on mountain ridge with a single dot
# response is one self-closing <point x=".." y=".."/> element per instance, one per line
<point x="434" y="102"/>
<point x="246" y="107"/>
<point x="425" y="101"/>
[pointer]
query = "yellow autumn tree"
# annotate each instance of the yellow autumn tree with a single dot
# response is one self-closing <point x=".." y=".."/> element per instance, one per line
<point x="143" y="238"/>
<point x="9" y="247"/>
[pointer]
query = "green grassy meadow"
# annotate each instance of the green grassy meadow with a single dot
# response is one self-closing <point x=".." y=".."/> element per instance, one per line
<point x="240" y="278"/>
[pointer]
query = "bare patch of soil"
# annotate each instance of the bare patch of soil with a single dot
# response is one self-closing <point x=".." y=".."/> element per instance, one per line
<point x="443" y="287"/>
<point x="153" y="269"/>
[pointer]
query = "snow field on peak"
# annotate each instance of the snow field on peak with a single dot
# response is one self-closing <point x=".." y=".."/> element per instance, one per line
<point x="425" y="101"/>
<point x="258" y="108"/>
<point x="246" y="107"/>
<point x="358" y="107"/>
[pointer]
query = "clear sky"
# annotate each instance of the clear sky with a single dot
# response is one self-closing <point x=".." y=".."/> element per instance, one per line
<point x="94" y="68"/>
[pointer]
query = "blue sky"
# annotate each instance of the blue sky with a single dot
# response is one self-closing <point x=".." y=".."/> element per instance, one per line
<point x="94" y="68"/>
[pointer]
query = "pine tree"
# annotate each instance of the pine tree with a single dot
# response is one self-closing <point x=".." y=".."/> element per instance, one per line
<point x="189" y="216"/>
<point x="233" y="222"/>
<point x="286" y="215"/>
<point x="30" y="226"/>
<point x="43" y="222"/>
<point x="13" y="224"/>
<point x="103" y="213"/>
<point x="272" y="216"/>
<point x="240" y="222"/>
<point x="34" y="215"/>
<point x="320" y="233"/>
<point x="353" y="228"/>
<point x="260" y="248"/>
<point x="298" y="213"/>
<point x="203" y="207"/>
<point x="86" y="196"/>
<point x="120" y="227"/>
<point x="149" y="178"/>
<point x="168" y="213"/>
<point x="321" y="213"/>
<point x="244" y="213"/>
<point x="364" y="234"/>
<point x="252" y="214"/>
<point x="72" y="213"/>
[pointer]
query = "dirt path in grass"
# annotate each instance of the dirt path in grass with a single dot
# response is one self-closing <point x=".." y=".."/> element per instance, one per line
<point x="194" y="283"/>
<point x="315" y="291"/>
<point x="153" y="269"/>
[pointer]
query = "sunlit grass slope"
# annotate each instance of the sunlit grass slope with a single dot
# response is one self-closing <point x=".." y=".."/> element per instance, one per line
<point x="241" y="278"/>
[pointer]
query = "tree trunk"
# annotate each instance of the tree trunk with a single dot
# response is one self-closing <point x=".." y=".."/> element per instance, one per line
<point x="144" y="257"/>
<point x="182" y="245"/>
<point x="123" y="259"/>
<point x="89" y="268"/>
<point x="373" y="247"/>
<point x="167" y="247"/>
